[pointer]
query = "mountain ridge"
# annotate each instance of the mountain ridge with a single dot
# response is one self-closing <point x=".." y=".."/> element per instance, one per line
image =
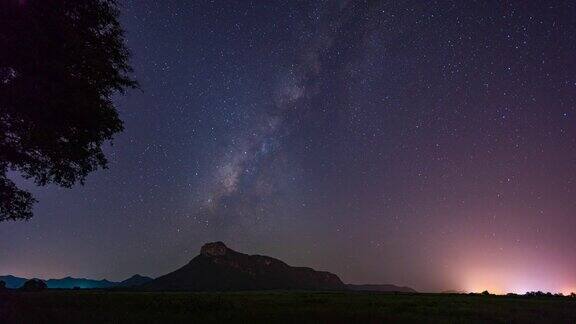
<point x="219" y="268"/>
<point x="69" y="282"/>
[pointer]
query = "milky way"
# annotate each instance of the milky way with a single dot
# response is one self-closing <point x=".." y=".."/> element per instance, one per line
<point x="429" y="144"/>
<point x="253" y="168"/>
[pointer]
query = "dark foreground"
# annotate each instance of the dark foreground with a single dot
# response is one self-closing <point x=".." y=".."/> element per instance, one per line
<point x="269" y="307"/>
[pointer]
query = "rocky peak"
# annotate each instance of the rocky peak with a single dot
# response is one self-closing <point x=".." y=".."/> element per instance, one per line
<point x="214" y="249"/>
<point x="219" y="268"/>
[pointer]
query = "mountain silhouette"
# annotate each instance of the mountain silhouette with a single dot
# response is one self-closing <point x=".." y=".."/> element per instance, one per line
<point x="219" y="268"/>
<point x="134" y="281"/>
<point x="69" y="283"/>
<point x="83" y="283"/>
<point x="13" y="282"/>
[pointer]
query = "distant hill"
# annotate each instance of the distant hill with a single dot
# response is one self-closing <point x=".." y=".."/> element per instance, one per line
<point x="134" y="281"/>
<point x="70" y="283"/>
<point x="219" y="268"/>
<point x="12" y="281"/>
<point x="383" y="288"/>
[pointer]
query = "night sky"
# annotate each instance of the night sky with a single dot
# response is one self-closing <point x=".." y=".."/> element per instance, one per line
<point x="421" y="143"/>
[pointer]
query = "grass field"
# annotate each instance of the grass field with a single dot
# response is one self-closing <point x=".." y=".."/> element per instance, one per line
<point x="271" y="307"/>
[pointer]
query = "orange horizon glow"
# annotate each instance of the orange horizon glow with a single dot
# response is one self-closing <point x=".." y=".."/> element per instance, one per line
<point x="511" y="279"/>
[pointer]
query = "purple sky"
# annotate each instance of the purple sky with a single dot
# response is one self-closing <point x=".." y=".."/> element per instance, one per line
<point x="422" y="143"/>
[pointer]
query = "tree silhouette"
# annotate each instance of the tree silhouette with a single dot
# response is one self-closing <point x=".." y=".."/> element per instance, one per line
<point x="59" y="65"/>
<point x="2" y="285"/>
<point x="34" y="285"/>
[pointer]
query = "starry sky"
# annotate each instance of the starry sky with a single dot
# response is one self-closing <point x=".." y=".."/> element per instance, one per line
<point x="421" y="143"/>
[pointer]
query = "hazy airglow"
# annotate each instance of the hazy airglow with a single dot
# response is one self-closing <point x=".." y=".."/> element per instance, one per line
<point x="507" y="275"/>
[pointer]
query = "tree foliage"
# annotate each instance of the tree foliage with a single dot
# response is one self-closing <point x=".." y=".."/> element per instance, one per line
<point x="34" y="285"/>
<point x="60" y="63"/>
